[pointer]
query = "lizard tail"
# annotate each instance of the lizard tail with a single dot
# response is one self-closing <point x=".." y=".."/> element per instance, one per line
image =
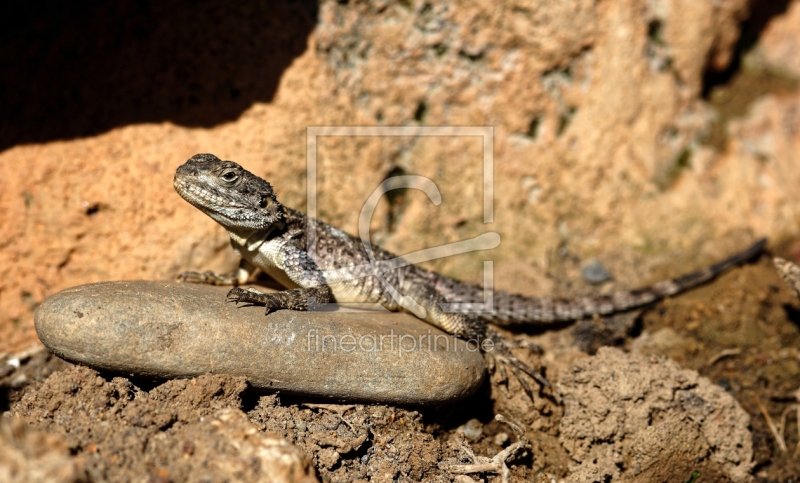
<point x="512" y="309"/>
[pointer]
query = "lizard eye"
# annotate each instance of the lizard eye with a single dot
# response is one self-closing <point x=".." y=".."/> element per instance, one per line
<point x="230" y="176"/>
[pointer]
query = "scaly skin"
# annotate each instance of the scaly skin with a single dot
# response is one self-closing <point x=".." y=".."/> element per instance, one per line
<point x="789" y="272"/>
<point x="272" y="237"/>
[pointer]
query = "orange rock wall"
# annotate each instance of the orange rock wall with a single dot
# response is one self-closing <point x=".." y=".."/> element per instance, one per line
<point x="599" y="129"/>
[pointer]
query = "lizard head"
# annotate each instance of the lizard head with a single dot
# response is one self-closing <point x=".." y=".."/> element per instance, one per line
<point x="234" y="197"/>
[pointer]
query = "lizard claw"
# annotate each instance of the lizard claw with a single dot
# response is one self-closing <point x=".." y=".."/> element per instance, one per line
<point x="517" y="368"/>
<point x="253" y="297"/>
<point x="249" y="295"/>
<point x="234" y="295"/>
<point x="501" y="358"/>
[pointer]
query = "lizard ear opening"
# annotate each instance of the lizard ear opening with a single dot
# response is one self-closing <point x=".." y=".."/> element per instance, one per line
<point x="273" y="209"/>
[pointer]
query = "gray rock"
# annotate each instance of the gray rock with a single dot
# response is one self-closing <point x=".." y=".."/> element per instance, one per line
<point x="595" y="272"/>
<point x="172" y="330"/>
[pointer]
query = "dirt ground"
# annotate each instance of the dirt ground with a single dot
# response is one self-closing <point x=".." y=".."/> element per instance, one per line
<point x="741" y="332"/>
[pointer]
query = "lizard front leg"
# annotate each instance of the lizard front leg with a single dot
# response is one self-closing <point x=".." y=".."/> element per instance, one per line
<point x="295" y="299"/>
<point x="301" y="270"/>
<point x="239" y="277"/>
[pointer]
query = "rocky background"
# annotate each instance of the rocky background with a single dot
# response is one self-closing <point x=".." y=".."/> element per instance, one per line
<point x="653" y="135"/>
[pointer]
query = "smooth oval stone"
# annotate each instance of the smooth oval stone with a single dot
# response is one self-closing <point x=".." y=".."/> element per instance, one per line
<point x="165" y="329"/>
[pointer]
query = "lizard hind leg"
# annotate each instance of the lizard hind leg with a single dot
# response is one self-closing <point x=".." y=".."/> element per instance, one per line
<point x="208" y="277"/>
<point x="499" y="355"/>
<point x="496" y="350"/>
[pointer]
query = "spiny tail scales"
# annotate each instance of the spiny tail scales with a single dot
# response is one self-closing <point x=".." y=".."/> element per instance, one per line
<point x="512" y="309"/>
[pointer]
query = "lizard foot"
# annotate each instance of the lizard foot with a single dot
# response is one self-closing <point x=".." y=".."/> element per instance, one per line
<point x="501" y="358"/>
<point x="482" y="464"/>
<point x="296" y="299"/>
<point x="253" y="297"/>
<point x="207" y="277"/>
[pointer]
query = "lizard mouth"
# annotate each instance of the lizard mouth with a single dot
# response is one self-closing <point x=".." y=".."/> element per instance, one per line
<point x="225" y="211"/>
<point x="200" y="197"/>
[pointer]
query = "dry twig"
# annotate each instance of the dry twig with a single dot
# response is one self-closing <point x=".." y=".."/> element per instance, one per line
<point x="724" y="353"/>
<point x="482" y="464"/>
<point x="774" y="430"/>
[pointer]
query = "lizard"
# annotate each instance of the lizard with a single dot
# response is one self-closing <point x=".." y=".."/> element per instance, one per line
<point x="272" y="237"/>
<point x="789" y="272"/>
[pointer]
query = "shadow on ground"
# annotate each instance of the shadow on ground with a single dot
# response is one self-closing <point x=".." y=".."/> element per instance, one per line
<point x="73" y="69"/>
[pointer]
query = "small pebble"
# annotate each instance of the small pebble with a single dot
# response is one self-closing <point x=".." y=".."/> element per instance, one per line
<point x="19" y="381"/>
<point x="594" y="272"/>
<point x="328" y="457"/>
<point x="472" y="430"/>
<point x="500" y="439"/>
<point x="171" y="330"/>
